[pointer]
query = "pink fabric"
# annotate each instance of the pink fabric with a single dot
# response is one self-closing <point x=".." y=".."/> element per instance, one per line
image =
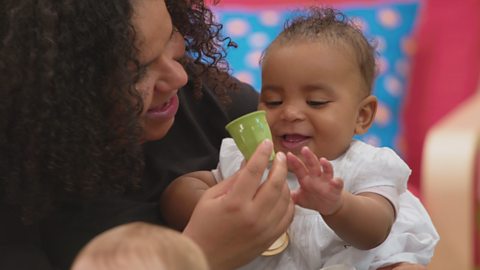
<point x="445" y="71"/>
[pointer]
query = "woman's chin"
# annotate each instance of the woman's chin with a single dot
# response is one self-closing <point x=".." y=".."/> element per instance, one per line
<point x="156" y="132"/>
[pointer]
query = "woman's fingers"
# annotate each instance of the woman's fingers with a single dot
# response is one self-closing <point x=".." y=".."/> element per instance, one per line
<point x="273" y="188"/>
<point x="221" y="188"/>
<point x="274" y="222"/>
<point x="249" y="177"/>
<point x="282" y="215"/>
<point x="273" y="202"/>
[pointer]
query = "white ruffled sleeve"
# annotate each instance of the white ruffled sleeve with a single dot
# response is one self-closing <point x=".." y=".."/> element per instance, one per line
<point x="412" y="239"/>
<point x="365" y="166"/>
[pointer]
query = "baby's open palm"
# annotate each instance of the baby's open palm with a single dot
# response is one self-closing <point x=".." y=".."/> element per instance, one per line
<point x="318" y="190"/>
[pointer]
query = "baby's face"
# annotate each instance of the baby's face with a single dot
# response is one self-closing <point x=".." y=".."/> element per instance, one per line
<point x="312" y="94"/>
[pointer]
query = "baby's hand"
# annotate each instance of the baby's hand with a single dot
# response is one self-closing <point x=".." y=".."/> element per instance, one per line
<point x="318" y="190"/>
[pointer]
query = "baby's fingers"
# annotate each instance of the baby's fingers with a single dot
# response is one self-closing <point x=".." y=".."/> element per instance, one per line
<point x="296" y="166"/>
<point x="311" y="161"/>
<point x="337" y="183"/>
<point x="327" y="167"/>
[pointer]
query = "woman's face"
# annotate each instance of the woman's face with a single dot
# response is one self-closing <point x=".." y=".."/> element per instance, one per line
<point x="160" y="49"/>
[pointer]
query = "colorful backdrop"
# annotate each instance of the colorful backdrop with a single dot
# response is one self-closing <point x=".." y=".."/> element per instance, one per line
<point x="428" y="58"/>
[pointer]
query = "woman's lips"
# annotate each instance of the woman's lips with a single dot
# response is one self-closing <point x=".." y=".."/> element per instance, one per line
<point x="165" y="111"/>
<point x="293" y="142"/>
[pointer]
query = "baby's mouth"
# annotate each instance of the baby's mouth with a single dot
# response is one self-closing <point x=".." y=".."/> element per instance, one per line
<point x="294" y="138"/>
<point x="293" y="141"/>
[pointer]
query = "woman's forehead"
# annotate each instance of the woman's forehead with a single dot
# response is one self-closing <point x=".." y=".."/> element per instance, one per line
<point x="152" y="24"/>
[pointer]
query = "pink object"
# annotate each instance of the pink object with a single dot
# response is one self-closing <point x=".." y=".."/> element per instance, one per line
<point x="445" y="70"/>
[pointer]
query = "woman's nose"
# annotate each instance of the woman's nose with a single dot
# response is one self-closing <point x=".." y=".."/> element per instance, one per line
<point x="173" y="75"/>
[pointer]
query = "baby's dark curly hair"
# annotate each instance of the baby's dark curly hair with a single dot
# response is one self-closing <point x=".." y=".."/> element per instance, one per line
<point x="330" y="26"/>
<point x="68" y="107"/>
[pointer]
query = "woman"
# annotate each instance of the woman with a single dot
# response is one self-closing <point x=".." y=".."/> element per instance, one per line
<point x="83" y="83"/>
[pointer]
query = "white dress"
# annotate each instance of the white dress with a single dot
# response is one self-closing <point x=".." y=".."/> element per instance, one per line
<point x="314" y="245"/>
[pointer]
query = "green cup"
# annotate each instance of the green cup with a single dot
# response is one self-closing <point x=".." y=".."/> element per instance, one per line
<point x="248" y="131"/>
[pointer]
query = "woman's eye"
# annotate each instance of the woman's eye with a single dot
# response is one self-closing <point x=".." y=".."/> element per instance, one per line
<point x="141" y="73"/>
<point x="317" y="103"/>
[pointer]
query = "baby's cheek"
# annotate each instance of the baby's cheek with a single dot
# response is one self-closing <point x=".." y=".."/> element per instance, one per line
<point x="261" y="106"/>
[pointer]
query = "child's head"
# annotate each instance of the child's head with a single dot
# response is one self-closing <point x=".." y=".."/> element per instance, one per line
<point x="140" y="246"/>
<point x="317" y="78"/>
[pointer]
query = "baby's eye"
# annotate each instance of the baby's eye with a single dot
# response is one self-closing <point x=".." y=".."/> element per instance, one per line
<point x="317" y="103"/>
<point x="273" y="103"/>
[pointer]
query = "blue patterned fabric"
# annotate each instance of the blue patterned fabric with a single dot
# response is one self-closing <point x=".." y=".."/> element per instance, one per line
<point x="389" y="25"/>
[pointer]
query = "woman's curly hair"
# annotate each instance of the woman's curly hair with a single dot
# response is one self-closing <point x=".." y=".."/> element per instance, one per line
<point x="68" y="106"/>
<point x="205" y="45"/>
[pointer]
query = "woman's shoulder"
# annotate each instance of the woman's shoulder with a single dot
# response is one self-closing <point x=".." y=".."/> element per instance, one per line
<point x="20" y="244"/>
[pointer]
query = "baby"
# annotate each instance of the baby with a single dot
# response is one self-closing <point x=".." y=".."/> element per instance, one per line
<point x="352" y="204"/>
<point x="140" y="246"/>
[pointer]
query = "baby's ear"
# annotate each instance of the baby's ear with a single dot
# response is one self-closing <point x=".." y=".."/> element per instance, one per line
<point x="366" y="114"/>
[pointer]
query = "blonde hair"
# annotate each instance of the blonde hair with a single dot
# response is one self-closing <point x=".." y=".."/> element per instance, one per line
<point x="140" y="246"/>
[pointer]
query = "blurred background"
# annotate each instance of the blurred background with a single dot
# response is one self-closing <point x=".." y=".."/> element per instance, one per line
<point x="428" y="58"/>
<point x="428" y="65"/>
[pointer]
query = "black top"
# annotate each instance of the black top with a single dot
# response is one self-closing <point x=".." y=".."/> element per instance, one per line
<point x="192" y="144"/>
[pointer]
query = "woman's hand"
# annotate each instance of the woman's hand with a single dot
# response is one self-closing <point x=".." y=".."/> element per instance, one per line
<point x="238" y="219"/>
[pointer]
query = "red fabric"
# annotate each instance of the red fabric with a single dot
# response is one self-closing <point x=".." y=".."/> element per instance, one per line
<point x="445" y="70"/>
